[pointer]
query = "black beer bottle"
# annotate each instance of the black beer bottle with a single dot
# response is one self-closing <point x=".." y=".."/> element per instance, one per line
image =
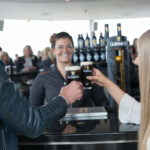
<point x="76" y="57"/>
<point x="94" y="40"/>
<point x="87" y="41"/>
<point x="101" y="41"/>
<point x="119" y="29"/>
<point x="78" y="41"/>
<point x="82" y="44"/>
<point x="106" y="31"/>
<point x="102" y="48"/>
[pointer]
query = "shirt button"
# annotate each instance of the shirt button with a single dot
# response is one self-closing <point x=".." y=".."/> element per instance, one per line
<point x="65" y="83"/>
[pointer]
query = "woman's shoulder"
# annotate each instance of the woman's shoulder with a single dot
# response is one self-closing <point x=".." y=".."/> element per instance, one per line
<point x="44" y="73"/>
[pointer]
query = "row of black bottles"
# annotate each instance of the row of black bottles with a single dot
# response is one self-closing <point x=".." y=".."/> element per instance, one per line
<point x="90" y="50"/>
<point x="89" y="54"/>
<point x="86" y="43"/>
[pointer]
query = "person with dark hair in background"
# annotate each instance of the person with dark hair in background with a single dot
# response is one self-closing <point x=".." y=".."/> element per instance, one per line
<point x="17" y="114"/>
<point x="28" y="62"/>
<point x="133" y="49"/>
<point x="16" y="59"/>
<point x="1" y="50"/>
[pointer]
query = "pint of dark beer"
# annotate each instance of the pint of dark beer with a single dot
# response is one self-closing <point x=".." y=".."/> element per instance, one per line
<point x="73" y="73"/>
<point x="87" y="68"/>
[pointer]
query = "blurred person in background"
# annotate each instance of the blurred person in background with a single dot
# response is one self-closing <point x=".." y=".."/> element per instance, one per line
<point x="39" y="57"/>
<point x="16" y="59"/>
<point x="1" y="50"/>
<point x="133" y="49"/>
<point x="4" y="57"/>
<point x="28" y="62"/>
<point x="48" y="58"/>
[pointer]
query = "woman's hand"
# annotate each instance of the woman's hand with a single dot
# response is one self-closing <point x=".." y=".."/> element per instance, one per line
<point x="98" y="78"/>
<point x="111" y="87"/>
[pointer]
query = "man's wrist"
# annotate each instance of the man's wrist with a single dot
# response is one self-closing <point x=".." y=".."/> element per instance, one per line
<point x="63" y="99"/>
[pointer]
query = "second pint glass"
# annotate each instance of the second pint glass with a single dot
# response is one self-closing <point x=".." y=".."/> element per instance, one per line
<point x="87" y="68"/>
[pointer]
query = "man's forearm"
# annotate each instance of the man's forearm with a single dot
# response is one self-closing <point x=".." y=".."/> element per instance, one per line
<point x="18" y="113"/>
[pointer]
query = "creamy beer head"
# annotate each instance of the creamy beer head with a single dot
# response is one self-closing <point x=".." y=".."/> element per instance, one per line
<point x="72" y="68"/>
<point x="73" y="73"/>
<point x="86" y="63"/>
<point x="87" y="68"/>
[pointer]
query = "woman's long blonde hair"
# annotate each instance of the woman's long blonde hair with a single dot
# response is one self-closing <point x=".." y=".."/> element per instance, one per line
<point x="2" y="56"/>
<point x="144" y="77"/>
<point x="48" y="53"/>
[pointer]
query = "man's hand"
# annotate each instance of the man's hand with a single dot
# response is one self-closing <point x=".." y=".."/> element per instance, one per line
<point x="72" y="92"/>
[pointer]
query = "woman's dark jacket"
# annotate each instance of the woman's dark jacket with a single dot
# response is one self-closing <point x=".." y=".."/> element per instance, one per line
<point x="17" y="114"/>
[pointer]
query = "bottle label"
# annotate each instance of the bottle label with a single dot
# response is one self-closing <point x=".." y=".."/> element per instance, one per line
<point x="94" y="42"/>
<point x="96" y="57"/>
<point x="82" y="57"/>
<point x="75" y="58"/>
<point x="81" y="44"/>
<point x="106" y="29"/>
<point x="87" y="43"/>
<point x="103" y="56"/>
<point x="102" y="42"/>
<point x="88" y="57"/>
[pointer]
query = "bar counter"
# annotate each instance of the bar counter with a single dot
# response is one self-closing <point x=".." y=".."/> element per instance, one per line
<point x="107" y="134"/>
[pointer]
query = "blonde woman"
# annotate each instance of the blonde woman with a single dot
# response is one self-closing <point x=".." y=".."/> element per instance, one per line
<point x="4" y="57"/>
<point x="28" y="62"/>
<point x="47" y="59"/>
<point x="129" y="107"/>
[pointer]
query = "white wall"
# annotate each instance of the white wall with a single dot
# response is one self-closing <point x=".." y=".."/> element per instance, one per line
<point x="18" y="33"/>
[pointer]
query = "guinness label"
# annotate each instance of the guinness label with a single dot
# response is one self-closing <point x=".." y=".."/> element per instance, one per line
<point x="87" y="68"/>
<point x="73" y="73"/>
<point x="118" y="38"/>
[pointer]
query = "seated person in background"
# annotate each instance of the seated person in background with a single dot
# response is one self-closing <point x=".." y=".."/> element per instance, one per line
<point x="16" y="59"/>
<point x="39" y="57"/>
<point x="129" y="109"/>
<point x="7" y="61"/>
<point x="47" y="59"/>
<point x="28" y="62"/>
<point x="48" y="84"/>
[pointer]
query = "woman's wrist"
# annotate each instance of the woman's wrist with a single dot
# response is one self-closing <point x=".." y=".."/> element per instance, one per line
<point x="107" y="82"/>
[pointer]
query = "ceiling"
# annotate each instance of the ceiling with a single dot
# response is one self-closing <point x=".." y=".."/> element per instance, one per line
<point x="73" y="10"/>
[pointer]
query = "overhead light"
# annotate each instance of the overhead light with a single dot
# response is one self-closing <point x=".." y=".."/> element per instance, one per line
<point x="67" y="0"/>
